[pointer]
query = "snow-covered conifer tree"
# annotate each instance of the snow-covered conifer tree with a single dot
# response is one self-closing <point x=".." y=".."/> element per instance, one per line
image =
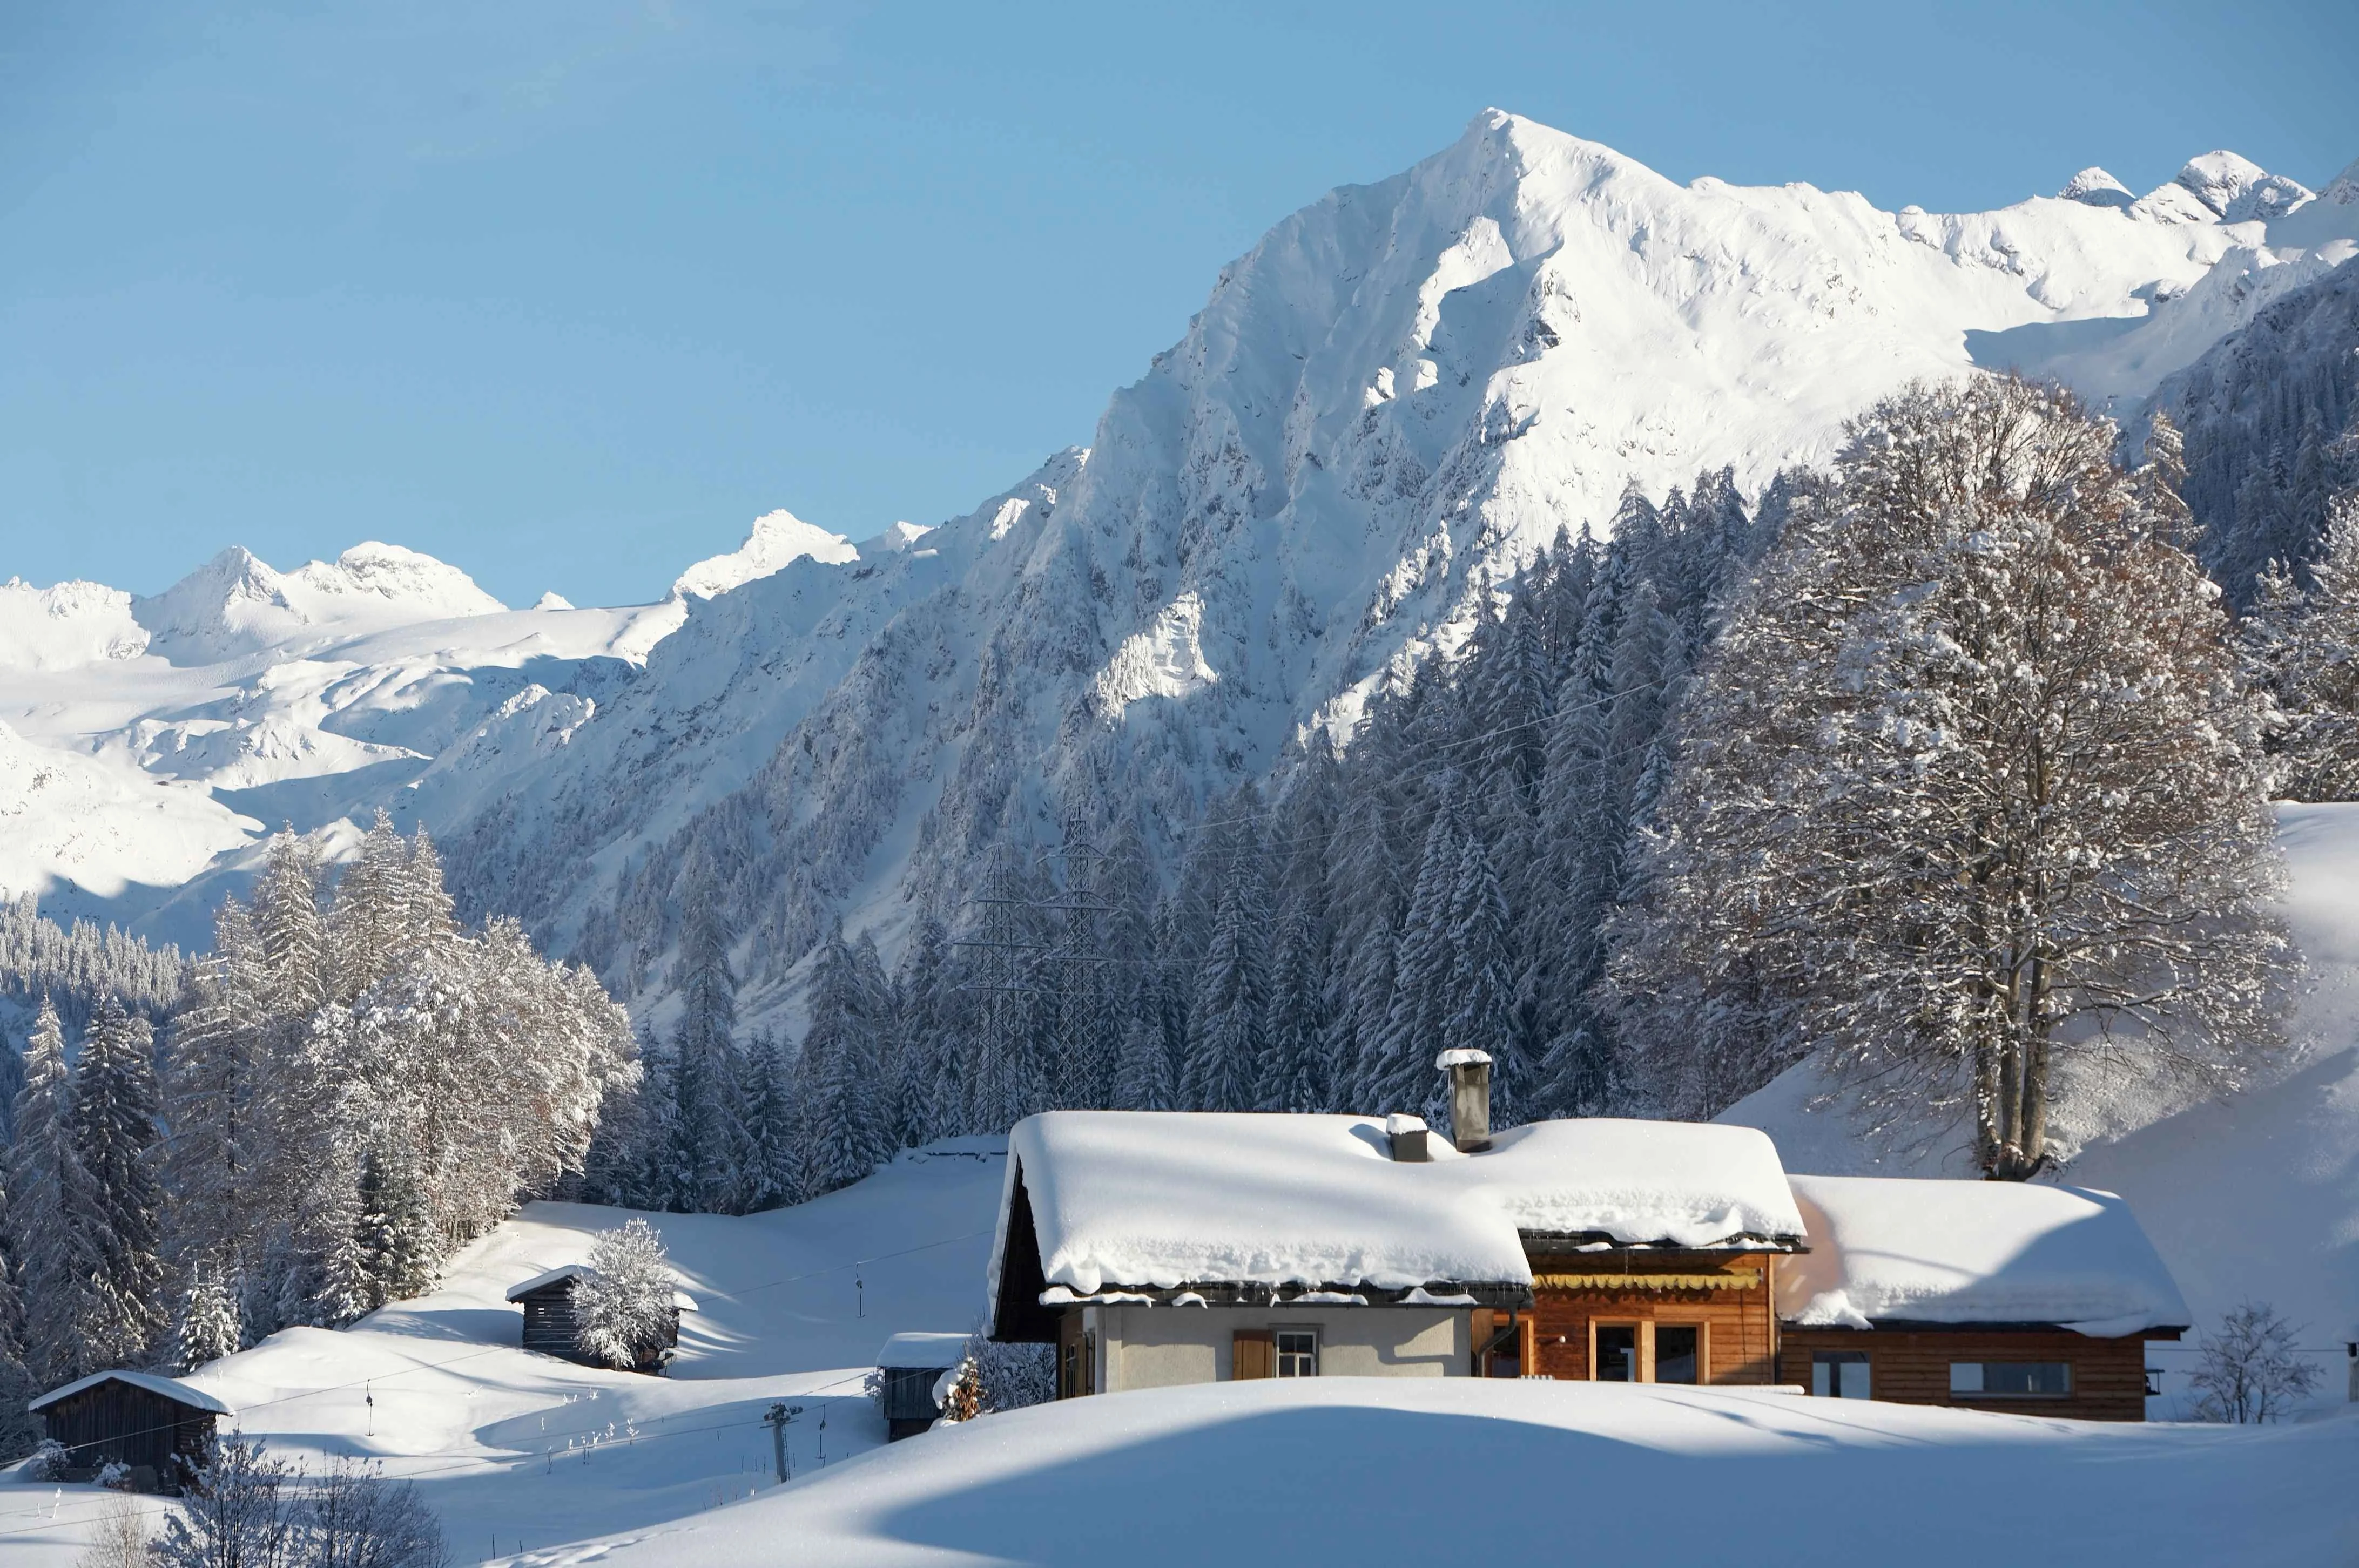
<point x="840" y="1054"/>
<point x="1402" y="1076"/>
<point x="115" y="1130"/>
<point x="56" y="1221"/>
<point x="18" y="1430"/>
<point x="1480" y="994"/>
<point x="209" y="1326"/>
<point x="1228" y="1044"/>
<point x="2304" y="644"/>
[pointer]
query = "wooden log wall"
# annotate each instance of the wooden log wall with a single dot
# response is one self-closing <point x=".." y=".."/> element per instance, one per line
<point x="1729" y="1295"/>
<point x="1912" y="1367"/>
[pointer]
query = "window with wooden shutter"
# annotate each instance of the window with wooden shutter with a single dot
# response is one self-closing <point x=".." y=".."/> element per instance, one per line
<point x="1253" y="1353"/>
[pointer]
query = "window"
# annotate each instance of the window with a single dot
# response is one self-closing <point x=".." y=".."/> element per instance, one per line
<point x="1298" y="1353"/>
<point x="1842" y="1373"/>
<point x="2012" y="1379"/>
<point x="1677" y="1352"/>
<point x="1618" y="1353"/>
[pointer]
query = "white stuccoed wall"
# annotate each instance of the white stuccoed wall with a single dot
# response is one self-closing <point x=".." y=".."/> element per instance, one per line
<point x="1161" y="1347"/>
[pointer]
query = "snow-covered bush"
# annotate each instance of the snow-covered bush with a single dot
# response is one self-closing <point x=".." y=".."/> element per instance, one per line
<point x="241" y="1510"/>
<point x="991" y="1377"/>
<point x="2252" y="1371"/>
<point x="622" y="1310"/>
<point x="115" y="1476"/>
<point x="49" y="1461"/>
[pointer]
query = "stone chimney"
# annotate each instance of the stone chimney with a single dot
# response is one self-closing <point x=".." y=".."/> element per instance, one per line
<point x="1470" y="1098"/>
<point x="1407" y="1135"/>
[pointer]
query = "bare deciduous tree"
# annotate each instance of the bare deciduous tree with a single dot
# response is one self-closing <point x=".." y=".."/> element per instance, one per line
<point x="2252" y="1373"/>
<point x="1971" y="799"/>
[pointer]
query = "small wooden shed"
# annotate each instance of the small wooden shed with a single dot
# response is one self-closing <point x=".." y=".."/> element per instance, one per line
<point x="911" y="1364"/>
<point x="160" y="1427"/>
<point x="547" y="1303"/>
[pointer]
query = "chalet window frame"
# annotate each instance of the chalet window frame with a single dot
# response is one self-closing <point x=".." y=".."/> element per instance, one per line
<point x="1980" y="1389"/>
<point x="1279" y="1353"/>
<point x="1643" y="1369"/>
<point x="1703" y="1326"/>
<point x="1642" y="1348"/>
<point x="1833" y="1362"/>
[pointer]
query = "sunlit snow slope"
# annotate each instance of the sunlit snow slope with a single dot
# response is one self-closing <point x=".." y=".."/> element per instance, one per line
<point x="2251" y="1199"/>
<point x="531" y="1451"/>
<point x="1414" y="1470"/>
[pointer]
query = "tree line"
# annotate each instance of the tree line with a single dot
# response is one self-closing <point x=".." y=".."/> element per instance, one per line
<point x="1947" y="765"/>
<point x="350" y="1087"/>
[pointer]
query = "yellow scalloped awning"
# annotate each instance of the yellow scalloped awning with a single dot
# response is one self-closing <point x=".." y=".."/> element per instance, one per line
<point x="1725" y="1280"/>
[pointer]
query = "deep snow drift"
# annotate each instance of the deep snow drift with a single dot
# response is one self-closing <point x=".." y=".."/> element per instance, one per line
<point x="1416" y="1470"/>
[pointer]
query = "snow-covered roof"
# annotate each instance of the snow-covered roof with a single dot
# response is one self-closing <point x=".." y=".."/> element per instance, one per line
<point x="1887" y="1249"/>
<point x="170" y="1387"/>
<point x="923" y="1350"/>
<point x="679" y="1298"/>
<point x="1157" y="1200"/>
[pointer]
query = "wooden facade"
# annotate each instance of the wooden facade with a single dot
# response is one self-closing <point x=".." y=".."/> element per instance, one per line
<point x="908" y="1402"/>
<point x="550" y="1326"/>
<point x="162" y="1439"/>
<point x="1648" y="1317"/>
<point x="2104" y="1378"/>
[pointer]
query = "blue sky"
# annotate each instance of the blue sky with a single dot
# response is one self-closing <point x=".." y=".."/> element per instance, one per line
<point x="566" y="293"/>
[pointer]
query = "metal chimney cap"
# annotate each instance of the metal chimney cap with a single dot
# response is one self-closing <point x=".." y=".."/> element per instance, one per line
<point x="1465" y="1056"/>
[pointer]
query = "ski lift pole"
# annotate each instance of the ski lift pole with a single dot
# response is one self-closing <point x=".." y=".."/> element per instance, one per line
<point x="779" y="1414"/>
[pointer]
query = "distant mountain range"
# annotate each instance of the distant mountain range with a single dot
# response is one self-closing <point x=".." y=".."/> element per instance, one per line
<point x="1387" y="405"/>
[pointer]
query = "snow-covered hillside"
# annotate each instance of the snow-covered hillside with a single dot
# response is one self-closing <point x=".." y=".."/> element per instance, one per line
<point x="2251" y="1199"/>
<point x="1399" y="392"/>
<point x="515" y="1450"/>
<point x="531" y="1460"/>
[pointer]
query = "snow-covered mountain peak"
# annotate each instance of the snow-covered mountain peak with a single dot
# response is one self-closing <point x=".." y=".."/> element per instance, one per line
<point x="776" y="539"/>
<point x="2343" y="190"/>
<point x="2239" y="191"/>
<point x="2095" y="188"/>
<point x="423" y="587"/>
<point x="898" y="537"/>
<point x="65" y="625"/>
<point x="237" y="604"/>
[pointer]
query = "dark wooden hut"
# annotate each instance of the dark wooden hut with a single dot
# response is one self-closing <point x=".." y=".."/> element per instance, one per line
<point x="159" y="1427"/>
<point x="910" y="1365"/>
<point x="548" y="1326"/>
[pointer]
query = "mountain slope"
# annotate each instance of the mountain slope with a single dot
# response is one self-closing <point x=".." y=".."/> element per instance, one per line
<point x="1397" y="395"/>
<point x="1400" y="393"/>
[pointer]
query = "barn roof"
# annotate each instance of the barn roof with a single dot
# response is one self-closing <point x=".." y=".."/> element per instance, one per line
<point x="1162" y="1199"/>
<point x="564" y="1272"/>
<point x="923" y="1350"/>
<point x="1891" y="1250"/>
<point x="169" y="1387"/>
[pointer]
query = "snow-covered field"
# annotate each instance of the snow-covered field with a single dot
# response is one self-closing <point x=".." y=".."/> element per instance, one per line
<point x="1411" y="1470"/>
<point x="520" y="1449"/>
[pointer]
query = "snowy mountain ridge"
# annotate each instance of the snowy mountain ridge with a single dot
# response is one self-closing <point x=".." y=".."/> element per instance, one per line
<point x="1396" y="397"/>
